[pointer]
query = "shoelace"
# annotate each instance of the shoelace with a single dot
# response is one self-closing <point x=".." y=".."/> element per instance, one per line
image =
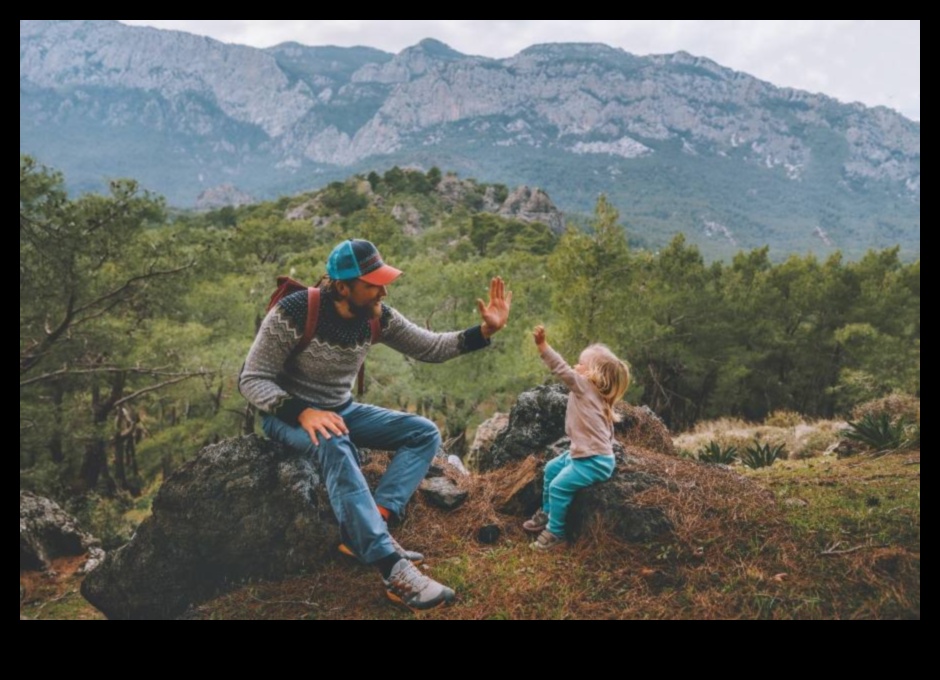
<point x="411" y="579"/>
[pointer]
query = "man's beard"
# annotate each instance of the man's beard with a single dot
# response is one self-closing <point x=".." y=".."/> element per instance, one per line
<point x="365" y="312"/>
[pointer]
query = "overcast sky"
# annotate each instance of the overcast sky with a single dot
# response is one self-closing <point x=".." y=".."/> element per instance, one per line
<point x="874" y="62"/>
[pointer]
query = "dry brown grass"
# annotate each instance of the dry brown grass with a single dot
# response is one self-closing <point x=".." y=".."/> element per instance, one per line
<point x="736" y="552"/>
<point x="896" y="406"/>
<point x="816" y="539"/>
<point x="801" y="439"/>
<point x="640" y="427"/>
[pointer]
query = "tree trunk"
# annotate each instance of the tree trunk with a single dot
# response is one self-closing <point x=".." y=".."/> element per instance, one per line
<point x="94" y="471"/>
<point x="55" y="442"/>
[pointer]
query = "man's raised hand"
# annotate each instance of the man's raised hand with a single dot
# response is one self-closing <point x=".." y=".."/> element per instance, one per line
<point x="495" y="314"/>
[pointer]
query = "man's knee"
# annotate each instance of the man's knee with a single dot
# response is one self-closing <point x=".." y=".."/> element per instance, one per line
<point x="424" y="433"/>
<point x="337" y="451"/>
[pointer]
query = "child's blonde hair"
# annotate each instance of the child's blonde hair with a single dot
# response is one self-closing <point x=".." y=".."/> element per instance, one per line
<point x="609" y="374"/>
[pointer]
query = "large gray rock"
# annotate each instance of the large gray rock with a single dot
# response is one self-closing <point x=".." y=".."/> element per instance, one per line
<point x="536" y="426"/>
<point x="47" y="532"/>
<point x="243" y="508"/>
<point x="536" y="420"/>
<point x="536" y="433"/>
<point x="519" y="492"/>
<point x="610" y="503"/>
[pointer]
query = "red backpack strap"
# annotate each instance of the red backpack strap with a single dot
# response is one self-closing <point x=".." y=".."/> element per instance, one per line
<point x="313" y="315"/>
<point x="375" y="325"/>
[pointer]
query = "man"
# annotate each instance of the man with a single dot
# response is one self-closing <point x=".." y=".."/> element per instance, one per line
<point x="307" y="403"/>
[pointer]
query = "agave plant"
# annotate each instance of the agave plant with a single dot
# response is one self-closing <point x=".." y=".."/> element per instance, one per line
<point x="879" y="433"/>
<point x="712" y="452"/>
<point x="759" y="455"/>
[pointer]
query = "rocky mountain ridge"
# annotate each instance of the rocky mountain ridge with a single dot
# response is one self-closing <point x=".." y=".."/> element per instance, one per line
<point x="184" y="113"/>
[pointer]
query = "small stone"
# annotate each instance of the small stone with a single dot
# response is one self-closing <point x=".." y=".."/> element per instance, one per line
<point x="443" y="493"/>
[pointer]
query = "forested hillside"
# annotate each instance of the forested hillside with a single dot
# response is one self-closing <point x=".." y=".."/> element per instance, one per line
<point x="134" y="322"/>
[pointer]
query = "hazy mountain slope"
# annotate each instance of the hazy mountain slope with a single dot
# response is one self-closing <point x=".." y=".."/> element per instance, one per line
<point x="678" y="142"/>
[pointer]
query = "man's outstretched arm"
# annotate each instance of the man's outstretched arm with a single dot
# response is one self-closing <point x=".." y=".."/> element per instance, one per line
<point x="424" y="345"/>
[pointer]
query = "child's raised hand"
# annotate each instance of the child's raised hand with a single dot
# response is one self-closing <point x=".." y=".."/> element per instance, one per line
<point x="539" y="335"/>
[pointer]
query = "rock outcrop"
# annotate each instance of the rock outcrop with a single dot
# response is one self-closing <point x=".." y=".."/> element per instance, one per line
<point x="536" y="420"/>
<point x="243" y="508"/>
<point x="533" y="205"/>
<point x="47" y="532"/>
<point x="535" y="434"/>
<point x="221" y="196"/>
<point x="574" y="119"/>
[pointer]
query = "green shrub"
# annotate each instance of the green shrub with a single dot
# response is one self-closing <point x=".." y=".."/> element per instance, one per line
<point x="879" y="433"/>
<point x="759" y="455"/>
<point x="714" y="453"/>
<point x="783" y="418"/>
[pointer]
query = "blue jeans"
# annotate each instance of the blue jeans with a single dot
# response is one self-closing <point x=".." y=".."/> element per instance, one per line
<point x="564" y="475"/>
<point x="415" y="441"/>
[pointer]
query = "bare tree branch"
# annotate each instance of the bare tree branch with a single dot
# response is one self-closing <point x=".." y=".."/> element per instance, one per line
<point x="76" y="316"/>
<point x="159" y="371"/>
<point x="158" y="386"/>
<point x="130" y="282"/>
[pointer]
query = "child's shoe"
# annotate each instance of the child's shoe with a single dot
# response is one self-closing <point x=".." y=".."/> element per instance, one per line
<point x="537" y="523"/>
<point x="547" y="541"/>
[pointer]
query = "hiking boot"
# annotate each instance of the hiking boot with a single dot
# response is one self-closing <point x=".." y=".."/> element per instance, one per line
<point x="411" y="555"/>
<point x="407" y="585"/>
<point x="547" y="541"/>
<point x="536" y="523"/>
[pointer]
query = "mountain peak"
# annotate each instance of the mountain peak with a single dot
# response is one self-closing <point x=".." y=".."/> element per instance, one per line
<point x="437" y="49"/>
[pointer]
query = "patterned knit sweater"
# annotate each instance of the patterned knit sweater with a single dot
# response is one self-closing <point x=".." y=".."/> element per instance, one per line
<point x="282" y="382"/>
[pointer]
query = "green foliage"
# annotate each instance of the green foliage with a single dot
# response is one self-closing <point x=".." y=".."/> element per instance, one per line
<point x="713" y="452"/>
<point x="783" y="418"/>
<point x="746" y="338"/>
<point x="343" y="198"/>
<point x="491" y="235"/>
<point x="105" y="518"/>
<point x="102" y="337"/>
<point x="879" y="433"/>
<point x="759" y="455"/>
<point x="591" y="274"/>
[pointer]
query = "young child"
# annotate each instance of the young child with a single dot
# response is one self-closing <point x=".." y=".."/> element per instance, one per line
<point x="597" y="382"/>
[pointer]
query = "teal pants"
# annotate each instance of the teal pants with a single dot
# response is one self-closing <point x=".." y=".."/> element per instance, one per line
<point x="564" y="475"/>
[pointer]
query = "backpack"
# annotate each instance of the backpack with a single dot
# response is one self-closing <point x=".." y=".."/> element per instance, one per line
<point x="286" y="286"/>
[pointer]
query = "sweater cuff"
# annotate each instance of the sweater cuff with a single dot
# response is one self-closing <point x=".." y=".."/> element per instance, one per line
<point x="289" y="410"/>
<point x="473" y="339"/>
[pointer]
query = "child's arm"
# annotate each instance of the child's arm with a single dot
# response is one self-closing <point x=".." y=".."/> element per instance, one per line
<point x="555" y="361"/>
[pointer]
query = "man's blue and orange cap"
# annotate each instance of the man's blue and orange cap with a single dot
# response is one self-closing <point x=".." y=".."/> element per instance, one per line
<point x="359" y="259"/>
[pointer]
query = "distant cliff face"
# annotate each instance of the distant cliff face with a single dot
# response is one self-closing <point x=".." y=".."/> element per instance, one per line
<point x="679" y="138"/>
